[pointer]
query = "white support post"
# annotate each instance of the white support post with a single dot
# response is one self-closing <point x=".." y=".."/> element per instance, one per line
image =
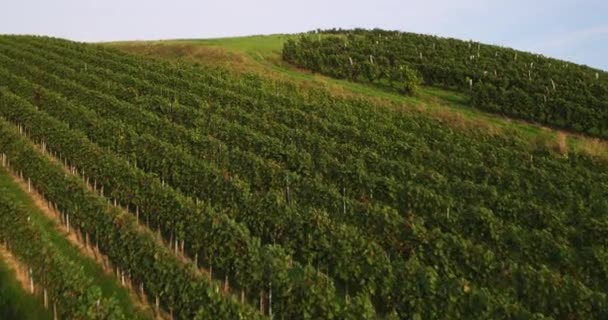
<point x="31" y="281"/>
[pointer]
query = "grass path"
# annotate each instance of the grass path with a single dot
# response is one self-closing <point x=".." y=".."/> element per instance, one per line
<point x="15" y="301"/>
<point x="59" y="238"/>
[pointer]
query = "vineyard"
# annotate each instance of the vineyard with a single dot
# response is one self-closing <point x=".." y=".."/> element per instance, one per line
<point x="496" y="79"/>
<point x="212" y="194"/>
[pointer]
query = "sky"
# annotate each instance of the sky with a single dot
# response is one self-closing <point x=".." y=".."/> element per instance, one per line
<point x="575" y="30"/>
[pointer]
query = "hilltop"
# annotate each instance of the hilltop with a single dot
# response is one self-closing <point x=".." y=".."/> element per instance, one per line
<point x="263" y="55"/>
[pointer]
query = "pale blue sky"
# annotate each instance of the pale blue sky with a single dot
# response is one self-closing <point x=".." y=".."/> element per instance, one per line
<point x="571" y="30"/>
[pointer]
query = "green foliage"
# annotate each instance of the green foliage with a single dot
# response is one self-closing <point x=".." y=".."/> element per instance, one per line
<point x="502" y="80"/>
<point x="348" y="59"/>
<point x="15" y="302"/>
<point x="68" y="287"/>
<point x="312" y="197"/>
<point x="117" y="236"/>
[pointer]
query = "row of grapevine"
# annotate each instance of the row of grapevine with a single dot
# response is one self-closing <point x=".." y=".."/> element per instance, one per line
<point x="480" y="225"/>
<point x="22" y="108"/>
<point x="70" y="292"/>
<point x="313" y="191"/>
<point x="519" y="84"/>
<point x="116" y="234"/>
<point x="251" y="267"/>
<point x="144" y="149"/>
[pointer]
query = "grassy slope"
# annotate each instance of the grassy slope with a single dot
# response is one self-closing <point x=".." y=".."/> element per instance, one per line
<point x="262" y="54"/>
<point x="106" y="283"/>
<point x="15" y="303"/>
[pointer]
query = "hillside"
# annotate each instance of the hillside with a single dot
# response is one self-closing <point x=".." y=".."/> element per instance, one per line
<point x="497" y="79"/>
<point x="228" y="184"/>
<point x="263" y="55"/>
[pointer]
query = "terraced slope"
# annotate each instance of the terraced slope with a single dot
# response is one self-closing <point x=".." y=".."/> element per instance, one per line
<point x="302" y="204"/>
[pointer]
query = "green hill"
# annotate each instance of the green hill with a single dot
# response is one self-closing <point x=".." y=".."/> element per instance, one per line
<point x="263" y="55"/>
<point x="497" y="79"/>
<point x="230" y="184"/>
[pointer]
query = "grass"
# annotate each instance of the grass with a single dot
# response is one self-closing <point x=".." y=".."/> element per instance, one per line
<point x="105" y="282"/>
<point x="16" y="303"/>
<point x="262" y="54"/>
